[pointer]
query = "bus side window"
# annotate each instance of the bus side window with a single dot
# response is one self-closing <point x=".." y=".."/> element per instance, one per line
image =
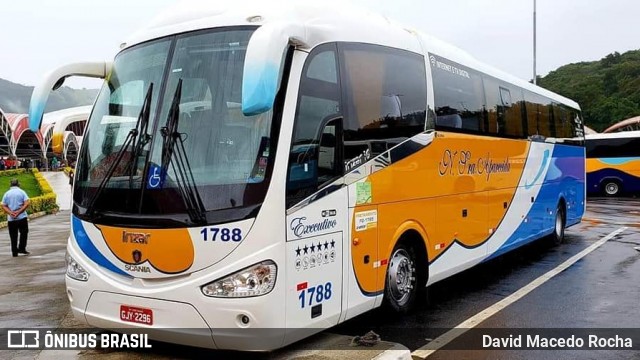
<point x="504" y="107"/>
<point x="459" y="98"/>
<point x="385" y="99"/>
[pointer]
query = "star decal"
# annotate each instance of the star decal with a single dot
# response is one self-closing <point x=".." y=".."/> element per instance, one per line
<point x="326" y="245"/>
<point x="313" y="248"/>
<point x="306" y="249"/>
<point x="333" y="243"/>
<point x="319" y="246"/>
<point x="298" y="251"/>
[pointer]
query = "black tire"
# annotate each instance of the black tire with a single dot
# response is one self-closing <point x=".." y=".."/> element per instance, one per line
<point x="559" y="224"/>
<point x="405" y="279"/>
<point x="611" y="188"/>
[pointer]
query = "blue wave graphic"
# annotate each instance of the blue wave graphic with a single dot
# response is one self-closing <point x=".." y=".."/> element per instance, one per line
<point x="618" y="161"/>
<point x="570" y="186"/>
<point x="89" y="249"/>
<point x="545" y="159"/>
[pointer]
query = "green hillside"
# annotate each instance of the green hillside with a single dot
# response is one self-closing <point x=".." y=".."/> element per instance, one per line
<point x="14" y="98"/>
<point x="607" y="90"/>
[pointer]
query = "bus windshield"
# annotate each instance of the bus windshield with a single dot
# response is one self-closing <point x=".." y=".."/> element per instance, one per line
<point x="202" y="147"/>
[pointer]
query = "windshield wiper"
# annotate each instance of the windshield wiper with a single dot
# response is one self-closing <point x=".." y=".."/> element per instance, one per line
<point x="176" y="156"/>
<point x="143" y="129"/>
<point x="142" y="123"/>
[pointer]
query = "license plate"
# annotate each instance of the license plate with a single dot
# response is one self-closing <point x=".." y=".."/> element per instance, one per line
<point x="136" y="315"/>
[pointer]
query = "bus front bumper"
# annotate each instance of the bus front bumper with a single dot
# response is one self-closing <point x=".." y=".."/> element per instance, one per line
<point x="173" y="322"/>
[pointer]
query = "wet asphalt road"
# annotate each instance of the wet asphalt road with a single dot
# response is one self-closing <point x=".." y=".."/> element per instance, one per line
<point x="602" y="290"/>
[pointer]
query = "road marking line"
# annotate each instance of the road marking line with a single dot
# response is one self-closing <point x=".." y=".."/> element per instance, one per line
<point x="444" y="339"/>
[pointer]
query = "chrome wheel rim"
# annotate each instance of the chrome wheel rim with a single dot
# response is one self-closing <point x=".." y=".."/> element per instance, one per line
<point x="559" y="225"/>
<point x="611" y="188"/>
<point x="402" y="277"/>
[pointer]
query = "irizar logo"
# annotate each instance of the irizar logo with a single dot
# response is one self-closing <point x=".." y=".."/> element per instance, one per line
<point x="300" y="228"/>
<point x="433" y="60"/>
<point x="135" y="238"/>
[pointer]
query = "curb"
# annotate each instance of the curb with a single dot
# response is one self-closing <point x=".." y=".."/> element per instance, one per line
<point x="397" y="352"/>
<point x="4" y="224"/>
<point x="328" y="346"/>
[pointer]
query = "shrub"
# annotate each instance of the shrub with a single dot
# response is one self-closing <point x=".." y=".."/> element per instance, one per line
<point x="45" y="202"/>
<point x="42" y="182"/>
<point x="13" y="172"/>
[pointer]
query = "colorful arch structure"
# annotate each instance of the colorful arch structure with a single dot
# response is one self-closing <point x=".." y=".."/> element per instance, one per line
<point x="59" y="135"/>
<point x="631" y="124"/>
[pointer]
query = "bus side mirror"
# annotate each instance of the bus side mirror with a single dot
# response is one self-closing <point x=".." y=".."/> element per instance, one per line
<point x="55" y="79"/>
<point x="263" y="64"/>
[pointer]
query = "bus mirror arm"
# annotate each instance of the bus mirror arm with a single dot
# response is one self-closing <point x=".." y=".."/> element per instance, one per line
<point x="263" y="64"/>
<point x="55" y="79"/>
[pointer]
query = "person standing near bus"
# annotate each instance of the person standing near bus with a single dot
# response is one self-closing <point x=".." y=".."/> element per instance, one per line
<point x="15" y="203"/>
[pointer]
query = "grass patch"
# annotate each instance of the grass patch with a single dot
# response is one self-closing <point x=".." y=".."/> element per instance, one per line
<point x="28" y="183"/>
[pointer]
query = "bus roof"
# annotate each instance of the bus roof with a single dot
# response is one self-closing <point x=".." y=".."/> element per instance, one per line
<point x="325" y="21"/>
<point x="617" y="135"/>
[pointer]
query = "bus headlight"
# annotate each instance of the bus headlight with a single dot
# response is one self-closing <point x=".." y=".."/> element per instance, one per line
<point x="255" y="280"/>
<point x="75" y="270"/>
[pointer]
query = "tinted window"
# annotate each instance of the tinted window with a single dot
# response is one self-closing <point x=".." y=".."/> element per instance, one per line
<point x="385" y="99"/>
<point x="539" y="114"/>
<point x="313" y="149"/>
<point x="504" y="108"/>
<point x="563" y="123"/>
<point x="613" y="148"/>
<point x="459" y="96"/>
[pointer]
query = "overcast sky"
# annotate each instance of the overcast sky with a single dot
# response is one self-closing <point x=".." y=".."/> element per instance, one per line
<point x="37" y="36"/>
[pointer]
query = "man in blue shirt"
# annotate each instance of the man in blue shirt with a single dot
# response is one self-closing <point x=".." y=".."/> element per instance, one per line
<point x="15" y="203"/>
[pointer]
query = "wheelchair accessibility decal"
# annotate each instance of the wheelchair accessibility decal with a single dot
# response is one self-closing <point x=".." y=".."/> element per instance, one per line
<point x="155" y="177"/>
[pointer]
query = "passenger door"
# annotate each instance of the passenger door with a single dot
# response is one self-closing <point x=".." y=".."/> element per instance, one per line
<point x="316" y="204"/>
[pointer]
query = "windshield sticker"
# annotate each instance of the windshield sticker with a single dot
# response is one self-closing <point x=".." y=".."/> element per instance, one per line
<point x="111" y="119"/>
<point x="363" y="193"/>
<point x="366" y="220"/>
<point x="155" y="178"/>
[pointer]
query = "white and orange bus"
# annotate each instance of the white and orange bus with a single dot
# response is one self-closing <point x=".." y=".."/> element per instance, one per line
<point x="288" y="166"/>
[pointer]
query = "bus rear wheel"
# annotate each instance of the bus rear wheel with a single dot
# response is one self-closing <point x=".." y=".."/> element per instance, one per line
<point x="612" y="188"/>
<point x="559" y="225"/>
<point x="402" y="284"/>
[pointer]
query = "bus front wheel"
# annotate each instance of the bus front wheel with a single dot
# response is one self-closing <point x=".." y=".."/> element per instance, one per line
<point x="612" y="188"/>
<point x="404" y="281"/>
